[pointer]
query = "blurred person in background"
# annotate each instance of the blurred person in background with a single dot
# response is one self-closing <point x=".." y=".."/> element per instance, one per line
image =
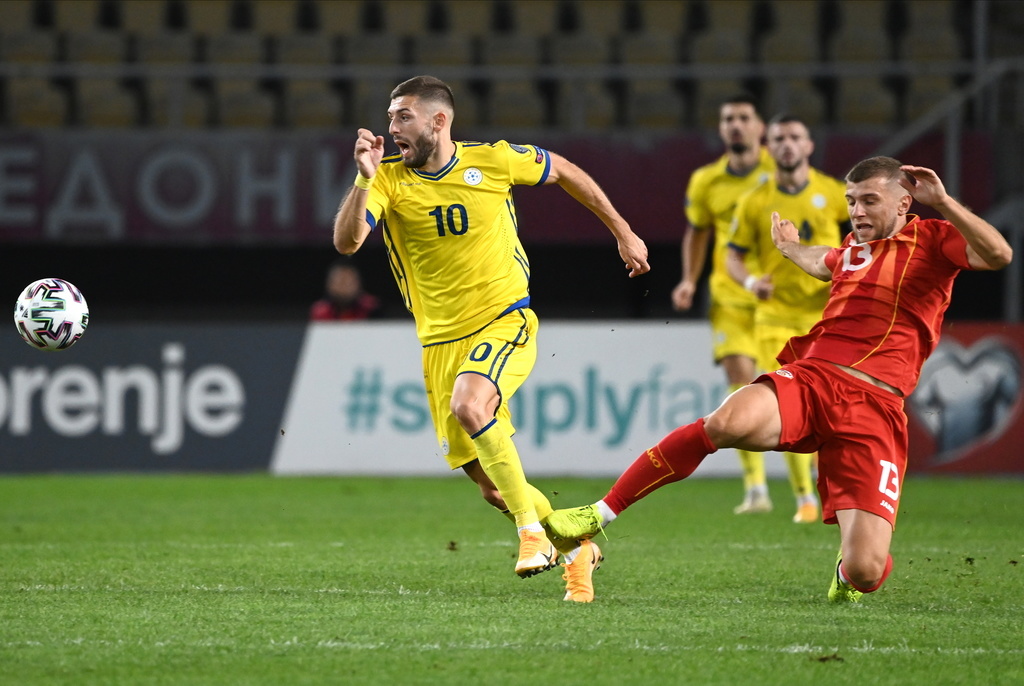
<point x="446" y="214"/>
<point x="789" y="300"/>
<point x="344" y="298"/>
<point x="841" y="388"/>
<point x="711" y="196"/>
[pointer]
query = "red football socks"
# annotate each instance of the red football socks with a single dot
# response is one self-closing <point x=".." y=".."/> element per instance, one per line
<point x="673" y="459"/>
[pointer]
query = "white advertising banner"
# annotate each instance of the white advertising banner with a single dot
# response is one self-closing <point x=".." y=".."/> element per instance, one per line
<point x="600" y="394"/>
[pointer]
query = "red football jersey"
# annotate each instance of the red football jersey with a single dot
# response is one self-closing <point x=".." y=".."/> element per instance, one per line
<point x="887" y="301"/>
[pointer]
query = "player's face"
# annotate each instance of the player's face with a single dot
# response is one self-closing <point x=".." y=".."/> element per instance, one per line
<point x="790" y="145"/>
<point x="876" y="206"/>
<point x="412" y="130"/>
<point x="343" y="283"/>
<point x="740" y="127"/>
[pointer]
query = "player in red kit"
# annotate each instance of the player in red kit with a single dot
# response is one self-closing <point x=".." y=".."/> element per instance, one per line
<point x="840" y="390"/>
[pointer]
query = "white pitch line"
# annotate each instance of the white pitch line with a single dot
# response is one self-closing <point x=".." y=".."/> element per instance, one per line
<point x="355" y="645"/>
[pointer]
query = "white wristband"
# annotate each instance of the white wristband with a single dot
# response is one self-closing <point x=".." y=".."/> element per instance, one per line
<point x="749" y="282"/>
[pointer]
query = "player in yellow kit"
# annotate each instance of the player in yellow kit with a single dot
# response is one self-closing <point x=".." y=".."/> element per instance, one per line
<point x="447" y="218"/>
<point x="789" y="301"/>
<point x="711" y="196"/>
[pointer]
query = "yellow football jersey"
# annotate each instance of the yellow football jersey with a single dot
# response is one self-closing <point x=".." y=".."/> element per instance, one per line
<point x="452" y="238"/>
<point x="817" y="210"/>
<point x="711" y="197"/>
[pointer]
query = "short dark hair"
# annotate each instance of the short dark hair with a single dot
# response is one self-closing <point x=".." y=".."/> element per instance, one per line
<point x="787" y="118"/>
<point x="743" y="99"/>
<point x="886" y="167"/>
<point x="426" y="88"/>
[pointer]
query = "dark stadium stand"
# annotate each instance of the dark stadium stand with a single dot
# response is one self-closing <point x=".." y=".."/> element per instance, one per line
<point x="868" y="63"/>
<point x="642" y="71"/>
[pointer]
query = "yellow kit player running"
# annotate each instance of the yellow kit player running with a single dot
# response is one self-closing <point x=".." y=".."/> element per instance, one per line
<point x="445" y="211"/>
<point x="789" y="301"/>
<point x="711" y="197"/>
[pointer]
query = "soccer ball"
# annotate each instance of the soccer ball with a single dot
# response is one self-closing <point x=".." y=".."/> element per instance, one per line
<point x="51" y="314"/>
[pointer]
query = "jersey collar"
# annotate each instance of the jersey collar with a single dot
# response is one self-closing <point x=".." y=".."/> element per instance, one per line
<point x="440" y="173"/>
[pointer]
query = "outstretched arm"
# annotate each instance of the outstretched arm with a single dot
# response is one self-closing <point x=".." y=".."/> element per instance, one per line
<point x="585" y="190"/>
<point x="986" y="247"/>
<point x="810" y="258"/>
<point x="350" y="225"/>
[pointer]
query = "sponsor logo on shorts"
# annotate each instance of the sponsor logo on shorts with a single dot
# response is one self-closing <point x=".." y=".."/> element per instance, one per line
<point x="784" y="372"/>
<point x="886" y="505"/>
<point x="445" y="448"/>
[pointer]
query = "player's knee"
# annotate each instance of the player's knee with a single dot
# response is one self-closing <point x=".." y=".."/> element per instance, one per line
<point x="867" y="571"/>
<point x="747" y="419"/>
<point x="726" y="426"/>
<point x="469" y="415"/>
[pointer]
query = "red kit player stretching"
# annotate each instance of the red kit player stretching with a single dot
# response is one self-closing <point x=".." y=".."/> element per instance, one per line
<point x="840" y="390"/>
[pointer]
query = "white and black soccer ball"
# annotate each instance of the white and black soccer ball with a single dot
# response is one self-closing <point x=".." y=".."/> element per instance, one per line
<point x="51" y="314"/>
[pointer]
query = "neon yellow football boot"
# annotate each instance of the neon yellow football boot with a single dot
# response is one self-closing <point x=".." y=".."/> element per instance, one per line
<point x="573" y="524"/>
<point x="840" y="591"/>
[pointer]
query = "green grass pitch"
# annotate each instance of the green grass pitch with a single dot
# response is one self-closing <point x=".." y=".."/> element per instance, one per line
<point x="261" y="580"/>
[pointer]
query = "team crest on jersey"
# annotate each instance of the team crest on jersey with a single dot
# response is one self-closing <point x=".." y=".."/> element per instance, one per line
<point x="784" y="373"/>
<point x="818" y="200"/>
<point x="518" y="148"/>
<point x="473" y="176"/>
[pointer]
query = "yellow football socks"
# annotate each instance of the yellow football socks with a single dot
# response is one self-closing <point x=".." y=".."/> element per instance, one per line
<point x="753" y="469"/>
<point x="540" y="503"/>
<point x="800" y="472"/>
<point x="500" y="460"/>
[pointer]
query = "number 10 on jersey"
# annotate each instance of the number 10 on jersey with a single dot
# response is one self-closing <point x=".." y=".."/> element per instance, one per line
<point x="454" y="221"/>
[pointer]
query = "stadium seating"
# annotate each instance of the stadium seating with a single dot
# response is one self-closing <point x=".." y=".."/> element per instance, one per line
<point x="176" y="104"/>
<point x="95" y="47"/>
<point x="242" y="103"/>
<point x="796" y="96"/>
<point x="28" y="46"/>
<point x="865" y="101"/>
<point x="311" y="105"/>
<point x="393" y="39"/>
<point x="104" y="103"/>
<point x="662" y="17"/>
<point x="515" y="104"/>
<point x="711" y="92"/>
<point x="16" y="16"/>
<point x="164" y="47"/>
<point x="585" y="104"/>
<point x="650" y="48"/>
<point x="275" y="18"/>
<point x="305" y="48"/>
<point x="655" y="104"/>
<point x="925" y="92"/>
<point x="35" y="103"/>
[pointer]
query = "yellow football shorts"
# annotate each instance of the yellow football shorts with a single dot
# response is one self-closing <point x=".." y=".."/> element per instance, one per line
<point x="732" y="331"/>
<point x="504" y="352"/>
<point x="772" y="338"/>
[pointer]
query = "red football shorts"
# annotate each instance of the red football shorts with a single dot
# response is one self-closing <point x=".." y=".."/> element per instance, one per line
<point x="859" y="431"/>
